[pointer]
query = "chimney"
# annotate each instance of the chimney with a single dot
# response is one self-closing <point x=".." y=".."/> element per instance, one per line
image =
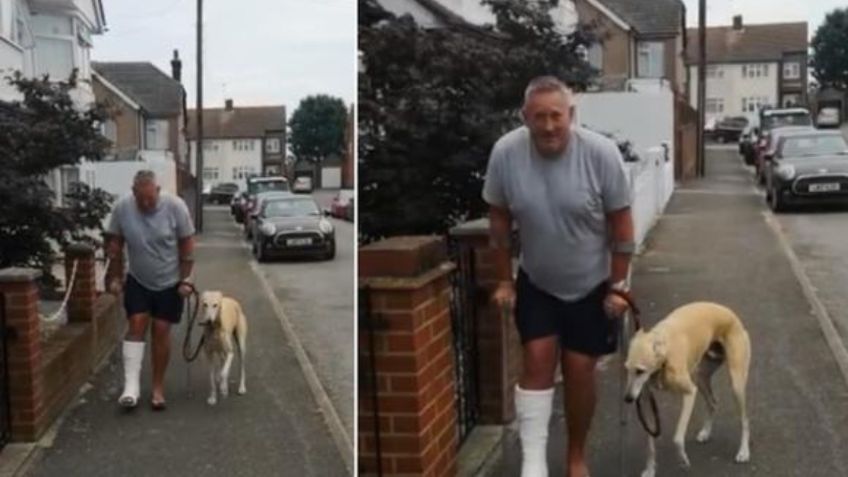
<point x="228" y="104"/>
<point x="737" y="22"/>
<point x="177" y="67"/>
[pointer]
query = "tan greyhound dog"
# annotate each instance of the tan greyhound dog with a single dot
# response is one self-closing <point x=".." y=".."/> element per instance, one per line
<point x="223" y="320"/>
<point x="671" y="355"/>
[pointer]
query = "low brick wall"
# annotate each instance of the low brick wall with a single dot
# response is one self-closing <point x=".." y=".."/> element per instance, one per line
<point x="45" y="375"/>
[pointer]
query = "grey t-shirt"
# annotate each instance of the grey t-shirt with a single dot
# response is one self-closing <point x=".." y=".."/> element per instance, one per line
<point x="560" y="206"/>
<point x="151" y="238"/>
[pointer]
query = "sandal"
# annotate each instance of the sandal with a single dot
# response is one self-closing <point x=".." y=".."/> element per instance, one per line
<point x="158" y="405"/>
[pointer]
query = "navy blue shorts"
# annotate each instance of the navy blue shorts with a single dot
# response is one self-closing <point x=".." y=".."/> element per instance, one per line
<point x="165" y="304"/>
<point x="581" y="326"/>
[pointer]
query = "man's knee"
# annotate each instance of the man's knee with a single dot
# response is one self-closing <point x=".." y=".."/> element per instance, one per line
<point x="161" y="329"/>
<point x="578" y="366"/>
<point x="137" y="326"/>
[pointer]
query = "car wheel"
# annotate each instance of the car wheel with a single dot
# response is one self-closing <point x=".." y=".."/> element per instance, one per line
<point x="331" y="253"/>
<point x="720" y="139"/>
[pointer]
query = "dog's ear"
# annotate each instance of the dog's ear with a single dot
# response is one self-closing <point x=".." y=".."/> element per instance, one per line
<point x="660" y="345"/>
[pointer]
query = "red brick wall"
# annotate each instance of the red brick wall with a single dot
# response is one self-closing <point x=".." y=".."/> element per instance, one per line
<point x="414" y="358"/>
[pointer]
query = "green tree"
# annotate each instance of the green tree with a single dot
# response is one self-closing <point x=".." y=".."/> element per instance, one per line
<point x="432" y="102"/>
<point x="39" y="133"/>
<point x="317" y="127"/>
<point x="830" y="50"/>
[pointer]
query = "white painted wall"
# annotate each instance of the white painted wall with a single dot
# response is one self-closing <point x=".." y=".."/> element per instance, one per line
<point x="224" y="156"/>
<point x="646" y="119"/>
<point x="331" y="177"/>
<point x="115" y="177"/>
<point x="732" y="87"/>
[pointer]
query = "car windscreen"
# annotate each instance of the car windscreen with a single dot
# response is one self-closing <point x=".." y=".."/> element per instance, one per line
<point x="264" y="186"/>
<point x="780" y="120"/>
<point x="290" y="208"/>
<point x="805" y="146"/>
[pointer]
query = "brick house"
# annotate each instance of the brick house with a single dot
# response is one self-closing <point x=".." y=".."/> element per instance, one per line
<point x="239" y="142"/>
<point x="750" y="66"/>
<point x="641" y="42"/>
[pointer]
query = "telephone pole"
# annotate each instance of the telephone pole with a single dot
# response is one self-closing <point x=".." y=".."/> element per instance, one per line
<point x="700" y="161"/>
<point x="199" y="111"/>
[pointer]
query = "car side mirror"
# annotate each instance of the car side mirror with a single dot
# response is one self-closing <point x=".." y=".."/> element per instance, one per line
<point x="326" y="212"/>
<point x="769" y="157"/>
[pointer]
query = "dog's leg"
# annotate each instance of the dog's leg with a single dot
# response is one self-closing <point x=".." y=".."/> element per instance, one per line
<point x="213" y="383"/>
<point x="225" y="375"/>
<point x="651" y="466"/>
<point x="683" y="424"/>
<point x="241" y="335"/>
<point x="704" y="381"/>
<point x="738" y="348"/>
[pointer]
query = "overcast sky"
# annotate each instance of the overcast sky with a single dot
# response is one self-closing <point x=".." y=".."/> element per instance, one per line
<point x="720" y="12"/>
<point x="258" y="52"/>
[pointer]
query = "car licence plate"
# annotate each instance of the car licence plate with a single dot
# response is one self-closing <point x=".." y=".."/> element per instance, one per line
<point x="298" y="242"/>
<point x="825" y="187"/>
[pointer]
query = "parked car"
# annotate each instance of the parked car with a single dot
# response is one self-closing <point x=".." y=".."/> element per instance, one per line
<point x="828" y="117"/>
<point x="248" y="225"/>
<point x="768" y="146"/>
<point x="340" y="203"/>
<point x="236" y="206"/>
<point x="351" y="209"/>
<point x="258" y="184"/>
<point x="293" y="225"/>
<point x="302" y="184"/>
<point x="807" y="167"/>
<point x="222" y="193"/>
<point x="729" y="129"/>
<point x="771" y="119"/>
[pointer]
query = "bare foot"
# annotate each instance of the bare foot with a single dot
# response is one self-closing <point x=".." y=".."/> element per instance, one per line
<point x="578" y="470"/>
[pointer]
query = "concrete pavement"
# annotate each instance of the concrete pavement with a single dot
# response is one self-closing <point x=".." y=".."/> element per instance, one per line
<point x="276" y="429"/>
<point x="714" y="244"/>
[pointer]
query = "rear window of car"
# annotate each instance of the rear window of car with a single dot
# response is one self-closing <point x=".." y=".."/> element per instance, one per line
<point x="823" y="145"/>
<point x="780" y="120"/>
<point x="255" y="187"/>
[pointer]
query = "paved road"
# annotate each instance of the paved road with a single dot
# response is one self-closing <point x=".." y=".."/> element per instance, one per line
<point x="276" y="429"/>
<point x="713" y="243"/>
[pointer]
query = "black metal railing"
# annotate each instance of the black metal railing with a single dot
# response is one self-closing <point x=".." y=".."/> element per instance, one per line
<point x="5" y="409"/>
<point x="368" y="386"/>
<point x="463" y="311"/>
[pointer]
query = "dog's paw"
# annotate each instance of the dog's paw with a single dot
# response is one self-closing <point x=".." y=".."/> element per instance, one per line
<point x="212" y="400"/>
<point x="649" y="473"/>
<point x="681" y="455"/>
<point x="242" y="390"/>
<point x="704" y="435"/>
<point x="743" y="456"/>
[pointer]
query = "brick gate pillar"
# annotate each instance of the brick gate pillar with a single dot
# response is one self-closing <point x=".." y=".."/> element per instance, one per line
<point x="407" y="283"/>
<point x="26" y="389"/>
<point x="498" y="342"/>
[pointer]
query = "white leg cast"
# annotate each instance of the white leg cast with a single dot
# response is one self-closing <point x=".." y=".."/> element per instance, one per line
<point x="682" y="425"/>
<point x="651" y="466"/>
<point x="133" y="353"/>
<point x="533" y="410"/>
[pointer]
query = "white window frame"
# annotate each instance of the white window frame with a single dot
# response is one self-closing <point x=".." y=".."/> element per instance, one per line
<point x="655" y="53"/>
<point x="714" y="106"/>
<point x="792" y="70"/>
<point x="210" y="173"/>
<point x="273" y="145"/>
<point x="715" y="72"/>
<point x="595" y="56"/>
<point x="69" y="38"/>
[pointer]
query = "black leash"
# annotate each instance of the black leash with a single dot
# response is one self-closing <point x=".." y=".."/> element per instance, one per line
<point x="191" y="311"/>
<point x="647" y="392"/>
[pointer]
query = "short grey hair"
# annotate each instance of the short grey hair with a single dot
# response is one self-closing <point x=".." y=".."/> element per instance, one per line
<point x="547" y="84"/>
<point x="143" y="176"/>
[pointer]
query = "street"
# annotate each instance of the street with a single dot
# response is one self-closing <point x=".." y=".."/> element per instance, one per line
<point x="714" y="243"/>
<point x="280" y="427"/>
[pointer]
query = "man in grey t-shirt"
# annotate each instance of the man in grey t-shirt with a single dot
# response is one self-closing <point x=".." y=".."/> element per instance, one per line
<point x="158" y="233"/>
<point x="566" y="189"/>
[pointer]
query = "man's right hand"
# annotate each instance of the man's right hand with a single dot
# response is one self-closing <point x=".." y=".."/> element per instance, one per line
<point x="115" y="287"/>
<point x="504" y="296"/>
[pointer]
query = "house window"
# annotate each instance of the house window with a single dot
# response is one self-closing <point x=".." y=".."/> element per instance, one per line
<point x="70" y="176"/>
<point x="753" y="104"/>
<point x="790" y="100"/>
<point x="756" y="70"/>
<point x="244" y="145"/>
<point x="210" y="146"/>
<point x="715" y="72"/>
<point x="54" y="46"/>
<point x="651" y="59"/>
<point x="243" y="172"/>
<point x="110" y="131"/>
<point x="210" y="173"/>
<point x="156" y="134"/>
<point x="792" y="71"/>
<point x="595" y="56"/>
<point x="714" y="105"/>
<point x="272" y="145"/>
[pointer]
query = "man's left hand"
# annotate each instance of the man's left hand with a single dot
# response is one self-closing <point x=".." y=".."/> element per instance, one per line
<point x="615" y="306"/>
<point x="185" y="289"/>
